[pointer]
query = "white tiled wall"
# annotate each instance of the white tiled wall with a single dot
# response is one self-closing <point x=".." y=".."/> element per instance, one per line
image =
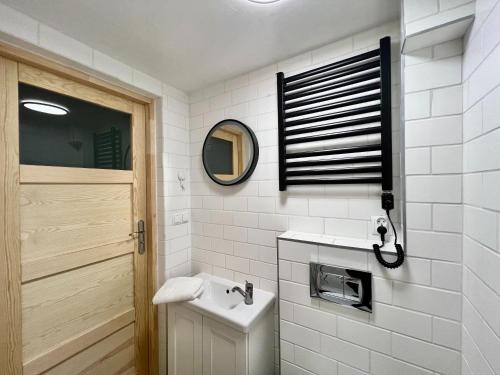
<point x="422" y="323"/>
<point x="234" y="228"/>
<point x="425" y="14"/>
<point x="481" y="163"/>
<point x="414" y="328"/>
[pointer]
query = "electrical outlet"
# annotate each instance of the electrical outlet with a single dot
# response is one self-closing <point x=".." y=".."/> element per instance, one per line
<point x="377" y="221"/>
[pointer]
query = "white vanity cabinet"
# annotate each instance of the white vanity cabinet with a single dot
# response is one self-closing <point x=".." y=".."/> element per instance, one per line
<point x="185" y="341"/>
<point x="200" y="345"/>
<point x="224" y="349"/>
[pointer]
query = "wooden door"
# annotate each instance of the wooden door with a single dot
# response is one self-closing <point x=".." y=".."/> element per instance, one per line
<point x="185" y="341"/>
<point x="224" y="349"/>
<point x="79" y="298"/>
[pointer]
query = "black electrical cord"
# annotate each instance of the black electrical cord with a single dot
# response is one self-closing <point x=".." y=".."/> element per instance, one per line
<point x="399" y="249"/>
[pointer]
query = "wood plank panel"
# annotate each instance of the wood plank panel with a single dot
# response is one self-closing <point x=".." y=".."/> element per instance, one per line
<point x="49" y="81"/>
<point x="61" y="219"/>
<point x="113" y="355"/>
<point x="75" y="345"/>
<point x="63" y="262"/>
<point x="152" y="243"/>
<point x="39" y="174"/>
<point x="60" y="307"/>
<point x="140" y="260"/>
<point x="10" y="260"/>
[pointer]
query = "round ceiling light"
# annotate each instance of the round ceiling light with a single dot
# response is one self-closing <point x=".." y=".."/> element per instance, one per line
<point x="45" y="107"/>
<point x="263" y="1"/>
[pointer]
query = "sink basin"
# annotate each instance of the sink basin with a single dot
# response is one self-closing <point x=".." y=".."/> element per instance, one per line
<point x="221" y="304"/>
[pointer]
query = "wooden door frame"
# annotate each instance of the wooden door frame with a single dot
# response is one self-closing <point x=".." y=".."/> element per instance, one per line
<point x="11" y="347"/>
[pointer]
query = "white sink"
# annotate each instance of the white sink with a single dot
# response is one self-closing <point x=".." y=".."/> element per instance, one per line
<point x="228" y="307"/>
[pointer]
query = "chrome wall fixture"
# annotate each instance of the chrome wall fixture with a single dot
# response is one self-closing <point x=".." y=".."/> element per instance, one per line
<point x="341" y="285"/>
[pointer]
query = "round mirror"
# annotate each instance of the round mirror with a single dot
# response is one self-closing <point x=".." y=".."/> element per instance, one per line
<point x="230" y="152"/>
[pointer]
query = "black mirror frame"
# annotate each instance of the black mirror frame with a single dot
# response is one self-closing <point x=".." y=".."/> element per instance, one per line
<point x="255" y="157"/>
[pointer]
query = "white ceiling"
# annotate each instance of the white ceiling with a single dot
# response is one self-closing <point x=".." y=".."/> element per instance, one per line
<point x="193" y="43"/>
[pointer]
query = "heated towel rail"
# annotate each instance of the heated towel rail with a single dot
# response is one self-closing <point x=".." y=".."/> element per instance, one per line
<point x="335" y="122"/>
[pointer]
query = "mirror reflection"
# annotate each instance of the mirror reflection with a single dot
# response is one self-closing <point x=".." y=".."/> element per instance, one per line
<point x="230" y="152"/>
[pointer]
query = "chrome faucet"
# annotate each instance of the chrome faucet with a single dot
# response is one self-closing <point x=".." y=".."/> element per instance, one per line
<point x="248" y="293"/>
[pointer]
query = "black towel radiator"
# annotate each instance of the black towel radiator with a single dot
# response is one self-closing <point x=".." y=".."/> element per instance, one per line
<point x="348" y="98"/>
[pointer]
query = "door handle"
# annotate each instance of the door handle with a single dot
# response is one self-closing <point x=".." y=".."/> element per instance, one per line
<point x="141" y="236"/>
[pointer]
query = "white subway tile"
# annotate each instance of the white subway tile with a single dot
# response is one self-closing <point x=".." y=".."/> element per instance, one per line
<point x="147" y="83"/>
<point x="235" y="233"/>
<point x="419" y="216"/>
<point x="315" y="319"/>
<point x="300" y="273"/>
<point x="432" y="245"/>
<point x="292" y="206"/>
<point x="18" y="24"/>
<point x="439" y="73"/>
<point x="384" y="365"/>
<point x="296" y="293"/>
<point x="420" y="353"/>
<point x="481" y="225"/>
<point x="443" y="189"/>
<point x="447" y="101"/>
<point x="63" y="45"/>
<point x="238" y="264"/>
<point x="485" y="300"/>
<point x="347" y="228"/>
<point x="473" y="359"/>
<point x="382" y="290"/>
<point x="413" y="270"/>
<point x="490" y="193"/>
<point x="314" y="362"/>
<point x="484" y="337"/>
<point x="112" y="67"/>
<point x="414" y="10"/>
<point x="434" y="131"/>
<point x="235" y="203"/>
<point x="261" y="205"/>
<point x="447" y="217"/>
<point x="300" y="335"/>
<point x="447" y="159"/>
<point x="402" y="321"/>
<point x="417" y="105"/>
<point x="328" y="207"/>
<point x="273" y="222"/>
<point x="285" y="270"/>
<point x="306" y="224"/>
<point x="332" y="50"/>
<point x="482" y="261"/>
<point x="447" y="275"/>
<point x="297" y="251"/>
<point x="246" y="219"/>
<point x="428" y="300"/>
<point x="447" y="333"/>
<point x="491" y="109"/>
<point x="364" y="334"/>
<point x="345" y="352"/>
<point x="262" y="269"/>
<point x="418" y="161"/>
<point x="341" y="257"/>
<point x="261" y="237"/>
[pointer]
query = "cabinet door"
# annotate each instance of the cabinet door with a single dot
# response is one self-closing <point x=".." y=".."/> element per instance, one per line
<point x="224" y="350"/>
<point x="184" y="341"/>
